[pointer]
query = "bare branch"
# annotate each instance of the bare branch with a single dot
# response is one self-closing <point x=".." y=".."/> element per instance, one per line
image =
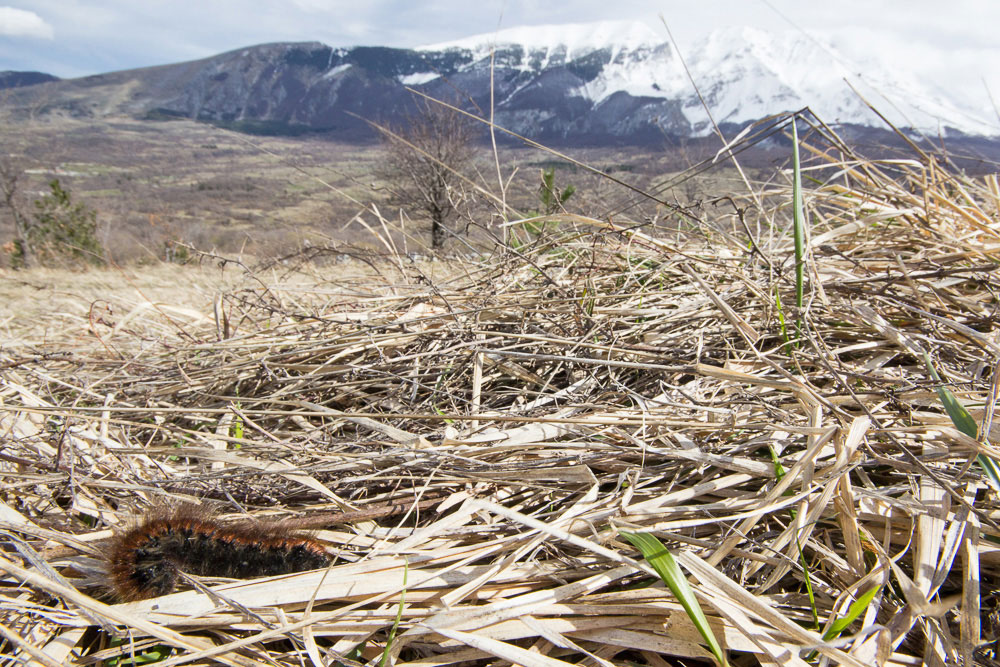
<point x="422" y="158"/>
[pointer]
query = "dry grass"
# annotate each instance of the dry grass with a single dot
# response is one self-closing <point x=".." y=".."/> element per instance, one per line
<point x="468" y="444"/>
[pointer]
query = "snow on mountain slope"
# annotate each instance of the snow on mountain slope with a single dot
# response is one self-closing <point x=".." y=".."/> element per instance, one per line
<point x="561" y="43"/>
<point x="746" y="73"/>
<point x="743" y="73"/>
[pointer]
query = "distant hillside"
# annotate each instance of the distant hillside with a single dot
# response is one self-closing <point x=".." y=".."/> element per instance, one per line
<point x="596" y="84"/>
<point x="10" y="79"/>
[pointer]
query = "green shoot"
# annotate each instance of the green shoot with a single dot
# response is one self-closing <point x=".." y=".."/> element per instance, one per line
<point x="551" y="198"/>
<point x="853" y="611"/>
<point x="779" y="470"/>
<point x="964" y="422"/>
<point x="809" y="586"/>
<point x="236" y="429"/>
<point x="670" y="572"/>
<point x="150" y="655"/>
<point x="399" y="617"/>
<point x="781" y="315"/>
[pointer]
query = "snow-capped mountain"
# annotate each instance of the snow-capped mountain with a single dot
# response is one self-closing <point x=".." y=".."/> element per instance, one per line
<point x="625" y="56"/>
<point x="743" y="74"/>
<point x="547" y="46"/>
<point x="754" y="73"/>
<point x="597" y="83"/>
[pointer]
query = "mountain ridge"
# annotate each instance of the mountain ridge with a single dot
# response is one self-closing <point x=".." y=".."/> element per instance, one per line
<point x="19" y="79"/>
<point x="609" y="83"/>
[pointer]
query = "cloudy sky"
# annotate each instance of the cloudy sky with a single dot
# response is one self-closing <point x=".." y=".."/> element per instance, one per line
<point x="953" y="44"/>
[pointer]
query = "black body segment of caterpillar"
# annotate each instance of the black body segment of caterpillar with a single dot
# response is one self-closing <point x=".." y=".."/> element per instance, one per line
<point x="144" y="561"/>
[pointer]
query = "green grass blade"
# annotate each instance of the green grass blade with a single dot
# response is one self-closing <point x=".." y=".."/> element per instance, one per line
<point x="779" y="470"/>
<point x="149" y="656"/>
<point x="856" y="609"/>
<point x="960" y="417"/>
<point x="236" y="429"/>
<point x="991" y="469"/>
<point x="670" y="572"/>
<point x="781" y="318"/>
<point x="809" y="586"/>
<point x="399" y="616"/>
<point x="964" y="422"/>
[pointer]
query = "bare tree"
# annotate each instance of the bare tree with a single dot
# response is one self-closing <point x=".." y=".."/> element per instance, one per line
<point x="423" y="158"/>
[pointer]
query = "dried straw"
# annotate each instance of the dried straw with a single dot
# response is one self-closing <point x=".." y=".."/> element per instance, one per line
<point x="468" y="446"/>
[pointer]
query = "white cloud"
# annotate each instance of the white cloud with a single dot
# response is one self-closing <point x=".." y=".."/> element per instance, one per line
<point x="22" y="23"/>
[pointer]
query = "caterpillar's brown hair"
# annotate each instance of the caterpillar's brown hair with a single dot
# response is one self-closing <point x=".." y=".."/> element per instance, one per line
<point x="144" y="560"/>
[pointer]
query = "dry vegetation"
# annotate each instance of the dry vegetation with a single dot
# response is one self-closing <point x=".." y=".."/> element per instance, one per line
<point x="469" y="437"/>
<point x="158" y="185"/>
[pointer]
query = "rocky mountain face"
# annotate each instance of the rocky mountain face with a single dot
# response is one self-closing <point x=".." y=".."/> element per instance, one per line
<point x="313" y="87"/>
<point x="588" y="83"/>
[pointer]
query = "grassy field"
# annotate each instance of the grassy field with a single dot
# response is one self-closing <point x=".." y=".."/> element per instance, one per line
<point x="158" y="183"/>
<point x="178" y="181"/>
<point x="473" y="439"/>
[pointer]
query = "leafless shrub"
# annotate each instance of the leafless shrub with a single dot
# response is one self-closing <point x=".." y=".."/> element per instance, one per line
<point x="423" y="161"/>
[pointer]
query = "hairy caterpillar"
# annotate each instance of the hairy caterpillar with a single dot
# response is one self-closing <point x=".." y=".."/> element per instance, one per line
<point x="144" y="561"/>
